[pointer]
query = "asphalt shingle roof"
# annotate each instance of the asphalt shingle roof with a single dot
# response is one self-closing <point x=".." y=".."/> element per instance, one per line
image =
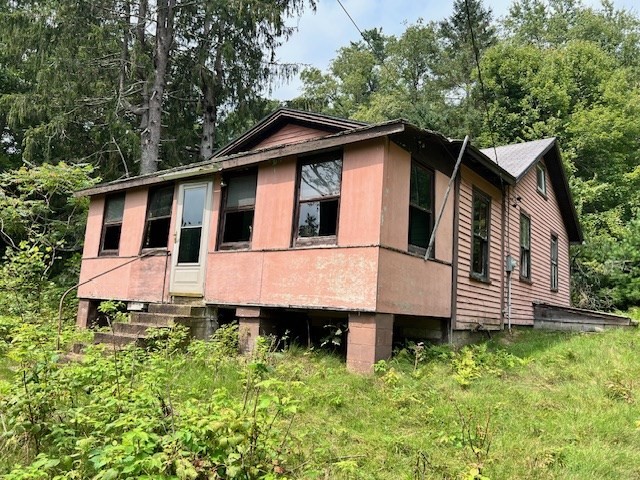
<point x="517" y="158"/>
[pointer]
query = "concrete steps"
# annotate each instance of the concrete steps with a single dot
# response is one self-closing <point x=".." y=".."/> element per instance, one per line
<point x="196" y="317"/>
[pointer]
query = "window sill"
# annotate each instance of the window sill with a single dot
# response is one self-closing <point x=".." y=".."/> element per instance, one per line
<point x="542" y="194"/>
<point x="329" y="240"/>
<point x="480" y="278"/>
<point x="419" y="251"/>
<point x="108" y="253"/>
<point x="526" y="280"/>
<point x="235" y="246"/>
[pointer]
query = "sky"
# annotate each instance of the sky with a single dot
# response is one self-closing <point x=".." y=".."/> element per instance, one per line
<point x="322" y="33"/>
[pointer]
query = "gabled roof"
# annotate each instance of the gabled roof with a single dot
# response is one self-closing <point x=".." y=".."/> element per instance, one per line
<point x="519" y="158"/>
<point x="280" y="118"/>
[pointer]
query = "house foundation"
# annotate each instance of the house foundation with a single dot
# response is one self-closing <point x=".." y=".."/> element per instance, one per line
<point x="253" y="322"/>
<point x="369" y="340"/>
<point x="87" y="313"/>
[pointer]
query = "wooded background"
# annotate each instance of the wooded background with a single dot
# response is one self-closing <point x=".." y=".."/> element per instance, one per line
<point x="104" y="89"/>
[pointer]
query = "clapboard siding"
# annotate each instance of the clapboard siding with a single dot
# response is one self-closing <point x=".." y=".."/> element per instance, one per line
<point x="291" y="134"/>
<point x="478" y="302"/>
<point x="545" y="221"/>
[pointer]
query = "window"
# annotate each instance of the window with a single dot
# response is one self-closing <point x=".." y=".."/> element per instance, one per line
<point x="525" y="247"/>
<point x="420" y="207"/>
<point x="156" y="229"/>
<point x="318" y="200"/>
<point x="480" y="250"/>
<point x="554" y="263"/>
<point x="112" y="223"/>
<point x="239" y="206"/>
<point x="541" y="179"/>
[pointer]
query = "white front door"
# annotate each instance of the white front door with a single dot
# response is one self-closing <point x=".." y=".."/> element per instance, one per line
<point x="192" y="231"/>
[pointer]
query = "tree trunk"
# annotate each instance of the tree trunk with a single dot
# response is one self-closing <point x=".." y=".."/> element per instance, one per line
<point x="151" y="135"/>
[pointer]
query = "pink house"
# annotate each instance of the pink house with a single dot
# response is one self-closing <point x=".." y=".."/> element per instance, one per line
<point x="307" y="220"/>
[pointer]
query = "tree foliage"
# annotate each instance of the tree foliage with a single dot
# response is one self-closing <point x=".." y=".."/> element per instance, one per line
<point x="558" y="68"/>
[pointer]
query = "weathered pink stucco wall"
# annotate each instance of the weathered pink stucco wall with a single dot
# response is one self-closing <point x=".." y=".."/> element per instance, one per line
<point x="331" y="277"/>
<point x="350" y="273"/>
<point x="407" y="284"/>
<point x="275" y="203"/>
<point x="145" y="279"/>
<point x="361" y="197"/>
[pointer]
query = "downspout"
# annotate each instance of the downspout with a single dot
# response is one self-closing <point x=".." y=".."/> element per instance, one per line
<point x="446" y="196"/>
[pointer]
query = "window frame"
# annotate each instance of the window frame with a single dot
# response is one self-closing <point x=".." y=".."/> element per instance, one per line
<point x="147" y="220"/>
<point x="525" y="249"/>
<point x="297" y="240"/>
<point x="554" y="255"/>
<point x="541" y="174"/>
<point x="412" y="248"/>
<point x="224" y="210"/>
<point x="485" y="275"/>
<point x="108" y="224"/>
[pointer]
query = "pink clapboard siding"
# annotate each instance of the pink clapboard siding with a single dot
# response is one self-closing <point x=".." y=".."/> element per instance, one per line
<point x="478" y="302"/>
<point x="545" y="221"/>
<point x="290" y="134"/>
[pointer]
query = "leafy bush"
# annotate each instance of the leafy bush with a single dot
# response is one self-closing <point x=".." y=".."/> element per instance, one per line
<point x="118" y="414"/>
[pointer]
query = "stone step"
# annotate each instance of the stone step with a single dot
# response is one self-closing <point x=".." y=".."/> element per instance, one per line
<point x="132" y="328"/>
<point x="154" y="319"/>
<point x="117" y="339"/>
<point x="178" y="310"/>
<point x="180" y="300"/>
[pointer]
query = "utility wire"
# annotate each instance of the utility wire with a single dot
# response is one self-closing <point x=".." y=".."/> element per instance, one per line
<point x="354" y="23"/>
<point x="476" y="55"/>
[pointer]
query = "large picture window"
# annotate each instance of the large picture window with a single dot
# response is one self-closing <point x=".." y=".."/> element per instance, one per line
<point x="238" y="210"/>
<point x="525" y="247"/>
<point x="480" y="231"/>
<point x="420" y="207"/>
<point x="554" y="263"/>
<point x="112" y="224"/>
<point x="156" y="230"/>
<point x="319" y="199"/>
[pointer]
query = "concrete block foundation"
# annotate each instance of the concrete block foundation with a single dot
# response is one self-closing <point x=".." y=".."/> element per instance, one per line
<point x="369" y="340"/>
<point x="253" y="322"/>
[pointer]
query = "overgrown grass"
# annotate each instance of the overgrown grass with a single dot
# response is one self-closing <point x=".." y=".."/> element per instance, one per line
<point x="534" y="405"/>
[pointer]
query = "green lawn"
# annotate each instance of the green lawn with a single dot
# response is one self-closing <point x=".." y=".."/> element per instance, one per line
<point x="569" y="410"/>
<point x="534" y="405"/>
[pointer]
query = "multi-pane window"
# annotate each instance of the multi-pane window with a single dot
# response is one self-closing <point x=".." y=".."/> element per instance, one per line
<point x="156" y="230"/>
<point x="480" y="227"/>
<point x="525" y="247"/>
<point x="319" y="199"/>
<point x="541" y="178"/>
<point x="239" y="207"/>
<point x="554" y="263"/>
<point x="420" y="207"/>
<point x="112" y="223"/>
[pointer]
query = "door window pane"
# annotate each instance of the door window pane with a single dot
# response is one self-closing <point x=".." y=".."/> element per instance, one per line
<point x="191" y="229"/>
<point x="189" y="251"/>
<point x="193" y="206"/>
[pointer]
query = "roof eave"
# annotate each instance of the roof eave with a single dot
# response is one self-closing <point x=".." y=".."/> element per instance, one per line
<point x="246" y="159"/>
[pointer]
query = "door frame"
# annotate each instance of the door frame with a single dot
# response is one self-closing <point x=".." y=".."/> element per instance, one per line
<point x="195" y="289"/>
